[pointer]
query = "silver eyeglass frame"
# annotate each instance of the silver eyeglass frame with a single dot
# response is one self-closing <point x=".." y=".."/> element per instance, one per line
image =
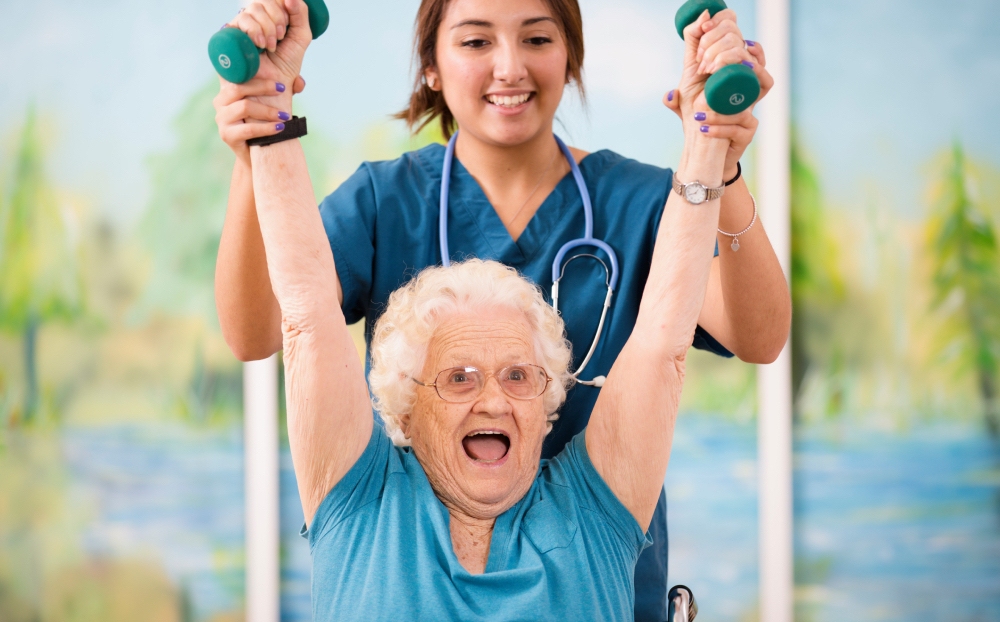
<point x="486" y="378"/>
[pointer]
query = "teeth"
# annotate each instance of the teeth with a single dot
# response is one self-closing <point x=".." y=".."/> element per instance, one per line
<point x="508" y="101"/>
<point x="487" y="432"/>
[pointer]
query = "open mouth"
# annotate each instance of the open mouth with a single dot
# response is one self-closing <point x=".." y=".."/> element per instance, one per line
<point x="509" y="101"/>
<point x="486" y="446"/>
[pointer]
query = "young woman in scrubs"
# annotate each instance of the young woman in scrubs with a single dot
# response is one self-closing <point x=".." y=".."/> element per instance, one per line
<point x="496" y="71"/>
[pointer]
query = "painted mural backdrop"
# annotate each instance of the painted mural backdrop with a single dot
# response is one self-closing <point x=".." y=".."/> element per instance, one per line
<point x="121" y="477"/>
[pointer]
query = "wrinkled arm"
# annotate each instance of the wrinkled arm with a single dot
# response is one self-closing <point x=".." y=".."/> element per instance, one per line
<point x="329" y="412"/>
<point x="631" y="429"/>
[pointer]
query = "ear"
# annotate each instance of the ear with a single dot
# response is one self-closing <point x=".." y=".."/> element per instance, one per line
<point x="432" y="79"/>
<point x="404" y="425"/>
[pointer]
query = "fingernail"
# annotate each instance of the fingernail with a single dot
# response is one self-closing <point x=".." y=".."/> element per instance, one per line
<point x="279" y="87"/>
<point x="747" y="63"/>
<point x="700" y="116"/>
<point x="670" y="96"/>
<point x="280" y="126"/>
<point x="284" y="116"/>
<point x="704" y="129"/>
<point x="750" y="43"/>
<point x="224" y="26"/>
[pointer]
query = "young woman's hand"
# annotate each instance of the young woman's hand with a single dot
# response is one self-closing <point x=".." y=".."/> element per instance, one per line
<point x="710" y="44"/>
<point x="241" y="112"/>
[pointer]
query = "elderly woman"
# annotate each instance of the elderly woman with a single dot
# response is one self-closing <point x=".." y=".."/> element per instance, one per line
<point x="469" y="367"/>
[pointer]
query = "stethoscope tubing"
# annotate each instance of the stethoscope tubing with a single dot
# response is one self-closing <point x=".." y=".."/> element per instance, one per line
<point x="558" y="267"/>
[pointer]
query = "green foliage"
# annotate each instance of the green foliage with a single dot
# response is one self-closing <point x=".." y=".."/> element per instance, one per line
<point x="183" y="221"/>
<point x="962" y="242"/>
<point x="38" y="281"/>
<point x="816" y="281"/>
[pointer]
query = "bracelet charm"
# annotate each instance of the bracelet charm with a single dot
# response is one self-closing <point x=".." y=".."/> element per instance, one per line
<point x="736" y="242"/>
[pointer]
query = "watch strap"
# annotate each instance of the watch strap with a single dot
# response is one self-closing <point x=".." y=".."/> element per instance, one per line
<point x="294" y="128"/>
<point x="711" y="194"/>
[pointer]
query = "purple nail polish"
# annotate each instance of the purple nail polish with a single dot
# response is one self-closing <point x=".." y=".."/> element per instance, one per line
<point x="700" y="116"/>
<point x="670" y="96"/>
<point x="279" y="87"/>
<point x="279" y="126"/>
<point x="750" y="43"/>
<point x="747" y="63"/>
<point x="284" y="116"/>
<point x="224" y="26"/>
<point x="704" y="129"/>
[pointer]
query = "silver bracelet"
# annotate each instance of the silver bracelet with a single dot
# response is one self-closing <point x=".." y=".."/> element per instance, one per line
<point x="736" y="243"/>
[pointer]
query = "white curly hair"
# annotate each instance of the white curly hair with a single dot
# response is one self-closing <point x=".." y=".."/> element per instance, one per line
<point x="402" y="334"/>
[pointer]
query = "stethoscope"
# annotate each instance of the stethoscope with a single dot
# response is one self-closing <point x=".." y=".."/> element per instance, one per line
<point x="558" y="267"/>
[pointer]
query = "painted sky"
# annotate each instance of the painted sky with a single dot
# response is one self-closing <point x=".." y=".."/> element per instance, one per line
<point x="880" y="86"/>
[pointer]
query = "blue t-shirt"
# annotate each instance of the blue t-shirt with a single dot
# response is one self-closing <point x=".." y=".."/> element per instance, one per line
<point x="382" y="548"/>
<point x="382" y="224"/>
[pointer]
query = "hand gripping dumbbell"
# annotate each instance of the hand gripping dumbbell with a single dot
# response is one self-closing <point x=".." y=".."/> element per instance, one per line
<point x="237" y="59"/>
<point x="733" y="88"/>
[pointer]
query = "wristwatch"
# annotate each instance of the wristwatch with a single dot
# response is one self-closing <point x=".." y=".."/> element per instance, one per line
<point x="696" y="193"/>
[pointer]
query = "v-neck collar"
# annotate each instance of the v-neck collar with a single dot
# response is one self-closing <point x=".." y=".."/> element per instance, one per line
<point x="469" y="205"/>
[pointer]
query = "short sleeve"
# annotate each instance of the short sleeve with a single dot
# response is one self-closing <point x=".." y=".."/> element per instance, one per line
<point x="702" y="339"/>
<point x="592" y="492"/>
<point x="361" y="485"/>
<point x="349" y="215"/>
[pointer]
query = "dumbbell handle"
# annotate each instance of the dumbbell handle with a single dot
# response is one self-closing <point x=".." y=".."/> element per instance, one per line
<point x="733" y="88"/>
<point x="237" y="59"/>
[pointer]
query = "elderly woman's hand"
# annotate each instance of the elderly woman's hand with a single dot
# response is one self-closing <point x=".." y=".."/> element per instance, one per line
<point x="258" y="107"/>
<point x="710" y="44"/>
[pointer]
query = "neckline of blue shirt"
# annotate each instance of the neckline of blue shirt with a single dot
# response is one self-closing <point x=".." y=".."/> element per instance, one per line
<point x="469" y="207"/>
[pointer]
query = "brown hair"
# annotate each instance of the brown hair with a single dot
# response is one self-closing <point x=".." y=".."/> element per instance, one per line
<point x="427" y="104"/>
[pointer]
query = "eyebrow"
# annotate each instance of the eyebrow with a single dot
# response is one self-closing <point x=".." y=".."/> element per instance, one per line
<point x="484" y="24"/>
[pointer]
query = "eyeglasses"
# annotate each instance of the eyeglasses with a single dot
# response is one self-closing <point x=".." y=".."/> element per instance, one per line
<point x="522" y="381"/>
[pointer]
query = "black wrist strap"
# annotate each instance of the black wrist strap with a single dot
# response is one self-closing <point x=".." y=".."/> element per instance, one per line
<point x="739" y="171"/>
<point x="294" y="128"/>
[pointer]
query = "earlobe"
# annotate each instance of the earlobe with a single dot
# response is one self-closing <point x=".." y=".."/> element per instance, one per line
<point x="431" y="80"/>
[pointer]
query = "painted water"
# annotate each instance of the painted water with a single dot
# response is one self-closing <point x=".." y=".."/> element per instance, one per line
<point x="889" y="526"/>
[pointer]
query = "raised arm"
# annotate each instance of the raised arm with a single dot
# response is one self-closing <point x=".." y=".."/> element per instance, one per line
<point x="747" y="307"/>
<point x="329" y="412"/>
<point x="248" y="311"/>
<point x="631" y="429"/>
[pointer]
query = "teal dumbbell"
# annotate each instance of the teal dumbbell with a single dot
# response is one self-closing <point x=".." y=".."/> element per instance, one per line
<point x="733" y="88"/>
<point x="237" y="59"/>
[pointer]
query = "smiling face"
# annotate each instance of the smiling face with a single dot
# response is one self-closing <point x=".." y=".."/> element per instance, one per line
<point x="480" y="456"/>
<point x="502" y="66"/>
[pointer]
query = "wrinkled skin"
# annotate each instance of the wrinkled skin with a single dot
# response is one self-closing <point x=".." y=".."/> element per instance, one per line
<point x="489" y="339"/>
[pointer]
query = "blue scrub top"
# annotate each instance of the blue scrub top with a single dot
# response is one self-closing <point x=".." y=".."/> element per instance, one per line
<point x="565" y="551"/>
<point x="382" y="224"/>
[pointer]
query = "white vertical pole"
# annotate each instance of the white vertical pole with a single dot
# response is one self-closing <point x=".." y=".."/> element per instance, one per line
<point x="260" y="424"/>
<point x="774" y="382"/>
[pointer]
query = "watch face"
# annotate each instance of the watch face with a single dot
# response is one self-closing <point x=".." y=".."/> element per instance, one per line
<point x="695" y="193"/>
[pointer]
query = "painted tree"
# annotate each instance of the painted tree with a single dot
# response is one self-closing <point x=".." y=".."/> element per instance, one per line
<point x="962" y="243"/>
<point x="39" y="281"/>
<point x="816" y="282"/>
